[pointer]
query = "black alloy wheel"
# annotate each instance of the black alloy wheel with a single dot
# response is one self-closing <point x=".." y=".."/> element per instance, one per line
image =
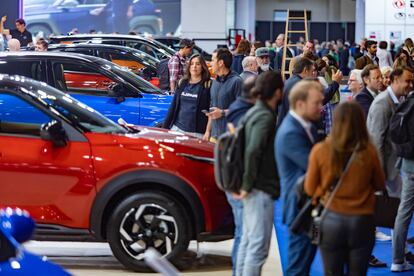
<point x="144" y="220"/>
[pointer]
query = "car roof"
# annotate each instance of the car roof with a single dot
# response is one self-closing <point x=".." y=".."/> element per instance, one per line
<point x="32" y="87"/>
<point x="49" y="54"/>
<point x="91" y="36"/>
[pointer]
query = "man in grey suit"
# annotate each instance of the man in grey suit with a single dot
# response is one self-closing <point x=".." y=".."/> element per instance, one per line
<point x="378" y="119"/>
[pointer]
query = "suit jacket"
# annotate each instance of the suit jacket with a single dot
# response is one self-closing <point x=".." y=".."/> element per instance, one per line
<point x="283" y="107"/>
<point x="378" y="120"/>
<point x="292" y="148"/>
<point x="365" y="99"/>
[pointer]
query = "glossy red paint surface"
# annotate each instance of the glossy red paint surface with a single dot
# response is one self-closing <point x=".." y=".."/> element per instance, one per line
<point x="59" y="185"/>
<point x="82" y="80"/>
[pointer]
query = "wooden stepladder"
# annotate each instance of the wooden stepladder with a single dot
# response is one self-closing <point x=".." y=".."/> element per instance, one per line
<point x="288" y="31"/>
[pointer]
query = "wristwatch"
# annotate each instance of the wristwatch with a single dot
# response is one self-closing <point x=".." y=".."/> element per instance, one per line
<point x="223" y="113"/>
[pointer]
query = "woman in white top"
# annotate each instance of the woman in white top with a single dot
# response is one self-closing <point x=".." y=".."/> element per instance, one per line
<point x="384" y="57"/>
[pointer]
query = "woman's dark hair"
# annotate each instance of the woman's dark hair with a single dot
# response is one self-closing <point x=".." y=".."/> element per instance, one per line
<point x="383" y="45"/>
<point x="320" y="64"/>
<point x="408" y="42"/>
<point x="266" y="85"/>
<point x="205" y="74"/>
<point x="349" y="133"/>
<point x="243" y="48"/>
<point x="332" y="61"/>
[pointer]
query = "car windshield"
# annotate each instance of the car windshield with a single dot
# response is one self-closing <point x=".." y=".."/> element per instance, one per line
<point x="83" y="116"/>
<point x="145" y="58"/>
<point x="164" y="47"/>
<point x="133" y="79"/>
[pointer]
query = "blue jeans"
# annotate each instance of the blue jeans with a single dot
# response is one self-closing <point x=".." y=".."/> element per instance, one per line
<point x="237" y="208"/>
<point x="258" y="209"/>
<point x="405" y="213"/>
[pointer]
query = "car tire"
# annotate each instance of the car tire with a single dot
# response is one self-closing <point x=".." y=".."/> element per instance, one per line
<point x="37" y="28"/>
<point x="148" y="219"/>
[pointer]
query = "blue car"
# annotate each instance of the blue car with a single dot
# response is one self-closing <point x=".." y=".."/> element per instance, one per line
<point x="16" y="226"/>
<point x="108" y="88"/>
<point x="61" y="16"/>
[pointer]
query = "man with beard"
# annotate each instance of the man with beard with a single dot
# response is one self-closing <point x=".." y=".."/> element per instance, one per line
<point x="263" y="60"/>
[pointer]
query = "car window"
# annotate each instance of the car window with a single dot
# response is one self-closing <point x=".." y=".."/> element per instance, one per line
<point x="18" y="117"/>
<point x="88" y="52"/>
<point x="124" y="60"/>
<point x="31" y="69"/>
<point x="78" y="78"/>
<point x="143" y="47"/>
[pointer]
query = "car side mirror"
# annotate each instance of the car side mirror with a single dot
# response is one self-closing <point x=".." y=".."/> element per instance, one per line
<point x="120" y="91"/>
<point x="54" y="132"/>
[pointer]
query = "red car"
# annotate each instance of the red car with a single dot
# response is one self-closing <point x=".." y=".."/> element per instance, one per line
<point x="83" y="177"/>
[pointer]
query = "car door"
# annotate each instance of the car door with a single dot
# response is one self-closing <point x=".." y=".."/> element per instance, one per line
<point x="89" y="85"/>
<point x="37" y="176"/>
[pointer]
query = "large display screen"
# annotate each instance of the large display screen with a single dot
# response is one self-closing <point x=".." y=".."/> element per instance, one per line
<point x="45" y="17"/>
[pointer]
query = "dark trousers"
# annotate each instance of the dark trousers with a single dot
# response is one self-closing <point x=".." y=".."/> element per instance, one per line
<point x="300" y="255"/>
<point x="347" y="243"/>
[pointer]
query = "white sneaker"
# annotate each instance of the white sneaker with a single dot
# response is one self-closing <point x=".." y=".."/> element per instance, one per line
<point x="400" y="267"/>
<point x="379" y="236"/>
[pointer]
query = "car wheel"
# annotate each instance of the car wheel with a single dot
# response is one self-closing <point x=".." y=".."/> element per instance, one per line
<point x="144" y="220"/>
<point x="35" y="29"/>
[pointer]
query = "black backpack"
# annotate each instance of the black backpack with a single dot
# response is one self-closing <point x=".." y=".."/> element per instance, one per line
<point x="164" y="73"/>
<point x="229" y="157"/>
<point x="402" y="128"/>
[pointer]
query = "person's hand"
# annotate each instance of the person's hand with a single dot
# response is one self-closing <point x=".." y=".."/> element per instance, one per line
<point x="242" y="195"/>
<point x="4" y="18"/>
<point x="215" y="113"/>
<point x="337" y="76"/>
<point x="97" y="11"/>
<point x="206" y="136"/>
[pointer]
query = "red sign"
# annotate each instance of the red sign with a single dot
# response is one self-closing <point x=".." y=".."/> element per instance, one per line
<point x="399" y="4"/>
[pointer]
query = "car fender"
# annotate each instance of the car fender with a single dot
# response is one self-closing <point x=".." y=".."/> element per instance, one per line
<point x="137" y="180"/>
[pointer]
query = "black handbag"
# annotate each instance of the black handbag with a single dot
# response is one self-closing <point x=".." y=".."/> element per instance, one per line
<point x="386" y="209"/>
<point x="308" y="220"/>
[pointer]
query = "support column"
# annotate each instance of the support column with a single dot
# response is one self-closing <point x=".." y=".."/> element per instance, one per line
<point x="246" y="17"/>
<point x="359" y="20"/>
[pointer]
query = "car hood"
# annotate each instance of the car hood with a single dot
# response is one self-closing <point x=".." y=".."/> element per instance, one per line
<point x="159" y="135"/>
<point x="175" y="141"/>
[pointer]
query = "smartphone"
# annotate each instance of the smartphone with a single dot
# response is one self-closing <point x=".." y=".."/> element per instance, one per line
<point x="204" y="111"/>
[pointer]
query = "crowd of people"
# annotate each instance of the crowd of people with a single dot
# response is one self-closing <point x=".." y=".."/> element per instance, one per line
<point x="301" y="126"/>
